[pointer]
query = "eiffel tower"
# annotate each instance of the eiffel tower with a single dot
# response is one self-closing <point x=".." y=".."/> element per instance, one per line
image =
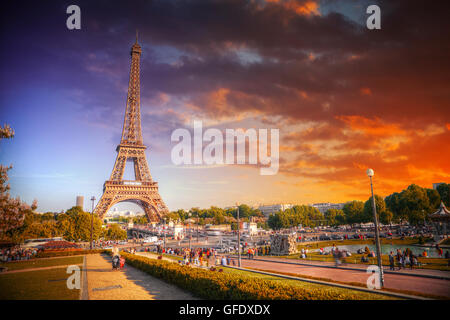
<point x="143" y="190"/>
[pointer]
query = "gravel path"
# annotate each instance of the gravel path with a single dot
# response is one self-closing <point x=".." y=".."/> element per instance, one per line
<point x="128" y="284"/>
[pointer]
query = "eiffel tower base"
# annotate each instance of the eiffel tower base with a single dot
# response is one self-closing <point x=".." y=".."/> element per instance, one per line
<point x="144" y="194"/>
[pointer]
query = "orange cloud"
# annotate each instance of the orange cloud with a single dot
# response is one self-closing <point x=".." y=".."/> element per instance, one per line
<point x="375" y="127"/>
<point x="305" y="8"/>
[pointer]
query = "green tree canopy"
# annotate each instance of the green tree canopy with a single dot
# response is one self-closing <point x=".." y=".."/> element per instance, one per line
<point x="115" y="232"/>
<point x="384" y="215"/>
<point x="353" y="211"/>
<point x="413" y="204"/>
<point x="444" y="193"/>
<point x="335" y="217"/>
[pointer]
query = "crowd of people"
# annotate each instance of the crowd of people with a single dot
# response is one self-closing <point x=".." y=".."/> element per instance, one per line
<point x="404" y="258"/>
<point x="203" y="256"/>
<point x="17" y="254"/>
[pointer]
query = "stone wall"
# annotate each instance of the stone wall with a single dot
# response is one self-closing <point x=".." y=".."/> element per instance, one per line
<point x="283" y="244"/>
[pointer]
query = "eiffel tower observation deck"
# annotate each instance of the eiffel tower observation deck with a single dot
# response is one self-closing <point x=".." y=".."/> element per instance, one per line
<point x="143" y="190"/>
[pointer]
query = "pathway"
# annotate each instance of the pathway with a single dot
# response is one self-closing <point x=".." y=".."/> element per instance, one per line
<point x="128" y="284"/>
<point x="356" y="266"/>
<point x="393" y="281"/>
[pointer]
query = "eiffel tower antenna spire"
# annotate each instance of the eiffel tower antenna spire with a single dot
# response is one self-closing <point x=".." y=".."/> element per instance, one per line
<point x="137" y="32"/>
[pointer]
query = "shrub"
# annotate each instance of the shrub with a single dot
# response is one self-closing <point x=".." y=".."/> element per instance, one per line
<point x="226" y="286"/>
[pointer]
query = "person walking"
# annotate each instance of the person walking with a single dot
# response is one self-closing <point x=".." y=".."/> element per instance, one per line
<point x="406" y="261"/>
<point x="399" y="259"/>
<point x="391" y="261"/>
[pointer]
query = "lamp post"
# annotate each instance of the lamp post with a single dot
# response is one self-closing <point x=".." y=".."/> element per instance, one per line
<point x="370" y="174"/>
<point x="164" y="234"/>
<point x="189" y="230"/>
<point x="198" y="221"/>
<point x="92" y="220"/>
<point x="239" y="237"/>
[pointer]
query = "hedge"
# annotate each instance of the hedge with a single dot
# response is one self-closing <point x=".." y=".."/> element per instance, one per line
<point x="213" y="285"/>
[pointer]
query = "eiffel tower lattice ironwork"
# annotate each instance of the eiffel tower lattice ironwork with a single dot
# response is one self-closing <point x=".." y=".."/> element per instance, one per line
<point x="143" y="190"/>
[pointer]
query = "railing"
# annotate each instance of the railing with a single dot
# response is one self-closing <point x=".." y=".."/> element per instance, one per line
<point x="131" y="183"/>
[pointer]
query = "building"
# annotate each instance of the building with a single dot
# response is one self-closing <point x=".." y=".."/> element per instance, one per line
<point x="80" y="202"/>
<point x="323" y="207"/>
<point x="250" y="228"/>
<point x="435" y="185"/>
<point x="267" y="210"/>
<point x="178" y="231"/>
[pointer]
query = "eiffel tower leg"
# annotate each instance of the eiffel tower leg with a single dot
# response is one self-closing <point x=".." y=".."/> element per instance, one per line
<point x="103" y="205"/>
<point x="152" y="214"/>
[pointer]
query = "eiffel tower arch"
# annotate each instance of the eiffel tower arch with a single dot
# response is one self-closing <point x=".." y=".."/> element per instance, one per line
<point x="142" y="191"/>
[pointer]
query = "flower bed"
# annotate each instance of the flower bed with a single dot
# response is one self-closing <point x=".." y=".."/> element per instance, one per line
<point x="224" y="286"/>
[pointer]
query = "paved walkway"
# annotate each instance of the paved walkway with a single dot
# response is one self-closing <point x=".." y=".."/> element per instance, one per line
<point x="128" y="284"/>
<point x="363" y="267"/>
<point x="393" y="281"/>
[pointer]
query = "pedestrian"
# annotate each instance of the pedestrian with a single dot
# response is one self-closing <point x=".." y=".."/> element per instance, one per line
<point x="391" y="261"/>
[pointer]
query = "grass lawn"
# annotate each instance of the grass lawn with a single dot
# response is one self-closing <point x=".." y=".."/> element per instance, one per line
<point x="35" y="285"/>
<point x="307" y="285"/>
<point x="39" y="263"/>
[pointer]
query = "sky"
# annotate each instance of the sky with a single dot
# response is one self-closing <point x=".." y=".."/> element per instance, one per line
<point x="344" y="98"/>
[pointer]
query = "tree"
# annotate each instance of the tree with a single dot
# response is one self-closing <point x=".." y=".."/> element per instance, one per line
<point x="66" y="226"/>
<point x="368" y="209"/>
<point x="82" y="224"/>
<point x="444" y="192"/>
<point x="393" y="204"/>
<point x="274" y="221"/>
<point x="140" y="220"/>
<point x="115" y="232"/>
<point x="335" y="217"/>
<point x="386" y="217"/>
<point x="292" y="217"/>
<point x="12" y="211"/>
<point x="353" y="211"/>
<point x="413" y="204"/>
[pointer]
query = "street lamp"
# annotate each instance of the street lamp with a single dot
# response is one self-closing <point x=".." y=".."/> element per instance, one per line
<point x="198" y="221"/>
<point x="239" y="237"/>
<point x="189" y="230"/>
<point x="164" y="234"/>
<point x="92" y="219"/>
<point x="370" y="174"/>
